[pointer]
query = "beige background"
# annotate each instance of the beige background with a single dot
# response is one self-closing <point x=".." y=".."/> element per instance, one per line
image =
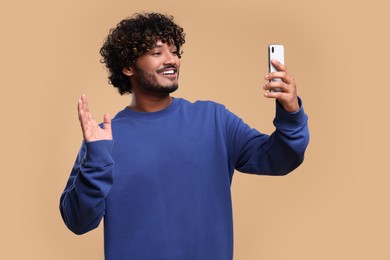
<point x="335" y="206"/>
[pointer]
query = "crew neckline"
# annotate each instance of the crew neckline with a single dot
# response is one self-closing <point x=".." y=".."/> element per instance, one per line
<point x="153" y="115"/>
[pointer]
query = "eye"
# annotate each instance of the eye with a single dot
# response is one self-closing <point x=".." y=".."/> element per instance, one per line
<point x="174" y="52"/>
<point x="156" y="53"/>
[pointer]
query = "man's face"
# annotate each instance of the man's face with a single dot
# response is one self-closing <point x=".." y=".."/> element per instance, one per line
<point x="157" y="70"/>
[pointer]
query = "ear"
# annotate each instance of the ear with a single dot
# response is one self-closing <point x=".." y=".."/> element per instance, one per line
<point x="128" y="71"/>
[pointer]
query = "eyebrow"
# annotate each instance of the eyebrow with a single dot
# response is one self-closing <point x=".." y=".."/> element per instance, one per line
<point x="159" y="46"/>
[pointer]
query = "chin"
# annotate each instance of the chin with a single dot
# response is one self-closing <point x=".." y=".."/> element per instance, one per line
<point x="169" y="89"/>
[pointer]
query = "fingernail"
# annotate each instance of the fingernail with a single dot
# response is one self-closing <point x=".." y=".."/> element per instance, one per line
<point x="266" y="76"/>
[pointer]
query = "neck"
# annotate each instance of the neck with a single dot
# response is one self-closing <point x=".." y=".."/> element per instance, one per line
<point x="142" y="103"/>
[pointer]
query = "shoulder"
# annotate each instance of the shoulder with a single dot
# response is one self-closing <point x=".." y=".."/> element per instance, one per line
<point x="201" y="105"/>
<point x="120" y="116"/>
<point x="207" y="111"/>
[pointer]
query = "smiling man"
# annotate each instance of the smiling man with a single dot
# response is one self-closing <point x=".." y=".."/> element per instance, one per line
<point x="154" y="74"/>
<point x="159" y="173"/>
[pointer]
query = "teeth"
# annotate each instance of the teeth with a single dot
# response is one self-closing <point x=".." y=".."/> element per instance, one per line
<point x="168" y="72"/>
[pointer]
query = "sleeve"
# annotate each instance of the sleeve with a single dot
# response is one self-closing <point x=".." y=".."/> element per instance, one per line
<point x="275" y="154"/>
<point x="82" y="204"/>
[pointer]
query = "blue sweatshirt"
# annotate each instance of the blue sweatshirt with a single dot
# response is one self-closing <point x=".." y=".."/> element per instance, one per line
<point x="162" y="186"/>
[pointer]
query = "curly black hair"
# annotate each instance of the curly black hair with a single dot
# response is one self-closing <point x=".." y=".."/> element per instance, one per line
<point x="133" y="37"/>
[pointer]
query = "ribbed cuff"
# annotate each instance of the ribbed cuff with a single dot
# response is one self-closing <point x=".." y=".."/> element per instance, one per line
<point x="98" y="151"/>
<point x="284" y="118"/>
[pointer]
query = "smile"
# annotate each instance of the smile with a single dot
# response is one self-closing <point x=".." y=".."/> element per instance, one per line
<point x="168" y="72"/>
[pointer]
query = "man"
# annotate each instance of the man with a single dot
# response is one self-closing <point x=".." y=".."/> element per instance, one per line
<point x="159" y="173"/>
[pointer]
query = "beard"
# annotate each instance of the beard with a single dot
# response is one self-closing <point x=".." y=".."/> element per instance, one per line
<point x="148" y="83"/>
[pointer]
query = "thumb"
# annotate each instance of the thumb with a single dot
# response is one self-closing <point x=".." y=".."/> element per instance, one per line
<point x="107" y="122"/>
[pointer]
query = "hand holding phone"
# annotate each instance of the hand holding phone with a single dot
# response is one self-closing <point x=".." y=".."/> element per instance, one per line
<point x="275" y="52"/>
<point x="288" y="99"/>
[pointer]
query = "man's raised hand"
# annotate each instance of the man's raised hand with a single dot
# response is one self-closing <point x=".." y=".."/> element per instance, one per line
<point x="288" y="95"/>
<point x="91" y="130"/>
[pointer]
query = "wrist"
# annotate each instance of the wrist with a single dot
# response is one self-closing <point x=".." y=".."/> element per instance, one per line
<point x="292" y="106"/>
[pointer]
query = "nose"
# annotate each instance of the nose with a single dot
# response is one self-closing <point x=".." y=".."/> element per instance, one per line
<point x="170" y="58"/>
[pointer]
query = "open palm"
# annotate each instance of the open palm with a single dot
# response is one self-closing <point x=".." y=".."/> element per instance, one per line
<point x="91" y="130"/>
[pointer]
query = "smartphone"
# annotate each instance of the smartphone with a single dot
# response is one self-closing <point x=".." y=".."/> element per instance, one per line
<point x="275" y="52"/>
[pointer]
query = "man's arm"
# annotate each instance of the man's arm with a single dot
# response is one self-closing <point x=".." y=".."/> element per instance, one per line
<point x="283" y="150"/>
<point x="82" y="203"/>
<point x="275" y="154"/>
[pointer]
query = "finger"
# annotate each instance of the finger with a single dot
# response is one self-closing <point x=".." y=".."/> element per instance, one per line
<point x="79" y="106"/>
<point x="280" y="77"/>
<point x="107" y="122"/>
<point x="276" y="86"/>
<point x="82" y="119"/>
<point x="275" y="75"/>
<point x="85" y="103"/>
<point x="278" y="65"/>
<point x="85" y="119"/>
<point x="88" y="114"/>
<point x="80" y="110"/>
<point x="275" y="95"/>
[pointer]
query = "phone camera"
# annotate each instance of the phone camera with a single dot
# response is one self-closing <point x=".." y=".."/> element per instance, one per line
<point x="272" y="49"/>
